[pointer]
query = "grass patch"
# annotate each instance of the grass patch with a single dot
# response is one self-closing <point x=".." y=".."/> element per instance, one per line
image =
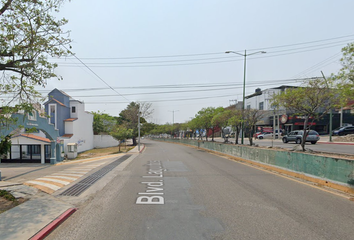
<point x="8" y="201"/>
<point x="8" y="196"/>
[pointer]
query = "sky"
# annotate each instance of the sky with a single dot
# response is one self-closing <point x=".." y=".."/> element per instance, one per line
<point x="172" y="53"/>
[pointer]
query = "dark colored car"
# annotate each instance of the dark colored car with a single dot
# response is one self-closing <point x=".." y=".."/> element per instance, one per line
<point x="341" y="131"/>
<point x="296" y="136"/>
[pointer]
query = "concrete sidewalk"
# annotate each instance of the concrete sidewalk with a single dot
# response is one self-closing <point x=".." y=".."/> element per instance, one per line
<point x="41" y="210"/>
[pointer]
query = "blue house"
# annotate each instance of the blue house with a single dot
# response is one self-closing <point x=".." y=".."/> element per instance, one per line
<point x="58" y="109"/>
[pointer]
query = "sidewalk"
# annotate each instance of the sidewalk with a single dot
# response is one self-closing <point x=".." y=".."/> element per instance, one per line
<point x="42" y="210"/>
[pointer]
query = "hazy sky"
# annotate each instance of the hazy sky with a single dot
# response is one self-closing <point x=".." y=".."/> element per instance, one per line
<point x="172" y="53"/>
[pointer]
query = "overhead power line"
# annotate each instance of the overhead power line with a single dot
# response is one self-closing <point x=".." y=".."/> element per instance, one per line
<point x="189" y="85"/>
<point x="217" y="53"/>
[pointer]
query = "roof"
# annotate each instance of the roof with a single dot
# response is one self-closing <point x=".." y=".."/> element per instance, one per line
<point x="64" y="93"/>
<point x="70" y="119"/>
<point x="31" y="136"/>
<point x="53" y="99"/>
<point x="67" y="135"/>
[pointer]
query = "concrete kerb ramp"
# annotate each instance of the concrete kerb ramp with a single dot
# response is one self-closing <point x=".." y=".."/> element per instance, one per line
<point x="335" y="173"/>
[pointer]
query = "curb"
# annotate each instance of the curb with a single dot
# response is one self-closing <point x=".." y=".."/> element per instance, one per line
<point x="55" y="223"/>
<point x="88" y="159"/>
<point x="337" y="143"/>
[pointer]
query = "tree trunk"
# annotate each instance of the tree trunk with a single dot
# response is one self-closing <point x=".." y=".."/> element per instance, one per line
<point x="305" y="133"/>
<point x="237" y="134"/>
<point x="250" y="137"/>
<point x="134" y="141"/>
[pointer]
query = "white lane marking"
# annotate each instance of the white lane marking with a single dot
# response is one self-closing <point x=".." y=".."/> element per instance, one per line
<point x="63" y="177"/>
<point x="51" y="186"/>
<point x="54" y="180"/>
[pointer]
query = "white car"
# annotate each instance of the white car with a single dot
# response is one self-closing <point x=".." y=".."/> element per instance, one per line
<point x="267" y="135"/>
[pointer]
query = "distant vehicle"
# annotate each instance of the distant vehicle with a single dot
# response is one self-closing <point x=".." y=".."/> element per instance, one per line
<point x="341" y="131"/>
<point x="296" y="136"/>
<point x="255" y="135"/>
<point x="267" y="135"/>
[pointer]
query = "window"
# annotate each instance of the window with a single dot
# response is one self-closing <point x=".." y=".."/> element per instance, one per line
<point x="72" y="147"/>
<point x="73" y="109"/>
<point x="248" y="106"/>
<point x="52" y="114"/>
<point x="261" y="105"/>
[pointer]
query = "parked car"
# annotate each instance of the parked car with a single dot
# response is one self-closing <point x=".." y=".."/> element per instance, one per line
<point x="267" y="135"/>
<point x="296" y="136"/>
<point x="341" y="131"/>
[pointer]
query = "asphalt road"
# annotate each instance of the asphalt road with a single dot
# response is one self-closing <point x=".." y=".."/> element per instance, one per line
<point x="176" y="192"/>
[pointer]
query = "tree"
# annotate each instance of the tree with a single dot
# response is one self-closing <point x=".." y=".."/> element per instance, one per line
<point x="311" y="101"/>
<point x="196" y="125"/>
<point x="29" y="34"/>
<point x="251" y="117"/>
<point x="129" y="117"/>
<point x="103" y="123"/>
<point x="221" y="119"/>
<point x="205" y="117"/>
<point x="235" y="121"/>
<point x="121" y="133"/>
<point x="344" y="79"/>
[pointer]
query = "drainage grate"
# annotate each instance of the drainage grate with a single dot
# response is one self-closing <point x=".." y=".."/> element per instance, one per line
<point x="85" y="183"/>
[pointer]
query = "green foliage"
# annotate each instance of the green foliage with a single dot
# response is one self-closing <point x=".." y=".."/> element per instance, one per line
<point x="122" y="133"/>
<point x="251" y="117"/>
<point x="8" y="196"/>
<point x="5" y="145"/>
<point x="314" y="100"/>
<point x="221" y="118"/>
<point x="129" y="117"/>
<point x="29" y="34"/>
<point x="205" y="116"/>
<point x="235" y="121"/>
<point x="103" y="123"/>
<point x="345" y="77"/>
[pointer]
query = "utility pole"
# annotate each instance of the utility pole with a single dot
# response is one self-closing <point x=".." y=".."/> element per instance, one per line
<point x="173" y="118"/>
<point x="139" y="130"/>
<point x="330" y="114"/>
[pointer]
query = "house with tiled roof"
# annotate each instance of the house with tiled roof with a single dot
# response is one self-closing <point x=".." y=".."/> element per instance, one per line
<point x="68" y="115"/>
<point x="33" y="139"/>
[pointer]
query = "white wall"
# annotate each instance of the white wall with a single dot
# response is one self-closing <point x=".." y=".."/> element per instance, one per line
<point x="102" y="141"/>
<point x="81" y="128"/>
<point x="265" y="98"/>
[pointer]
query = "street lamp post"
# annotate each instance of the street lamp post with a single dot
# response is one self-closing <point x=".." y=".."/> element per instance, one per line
<point x="139" y="113"/>
<point x="244" y="82"/>
<point x="173" y="118"/>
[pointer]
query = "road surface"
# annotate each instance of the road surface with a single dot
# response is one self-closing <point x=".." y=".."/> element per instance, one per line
<point x="175" y="192"/>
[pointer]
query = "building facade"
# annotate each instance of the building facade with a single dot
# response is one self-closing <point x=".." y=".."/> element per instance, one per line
<point x="289" y="121"/>
<point x="70" y="118"/>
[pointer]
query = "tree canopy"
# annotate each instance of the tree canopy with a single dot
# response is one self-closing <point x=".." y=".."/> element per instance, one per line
<point x="129" y="117"/>
<point x="29" y="34"/>
<point x="311" y="101"/>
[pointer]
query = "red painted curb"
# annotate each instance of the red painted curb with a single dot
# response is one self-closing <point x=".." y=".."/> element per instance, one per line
<point x="55" y="223"/>
<point x="142" y="149"/>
